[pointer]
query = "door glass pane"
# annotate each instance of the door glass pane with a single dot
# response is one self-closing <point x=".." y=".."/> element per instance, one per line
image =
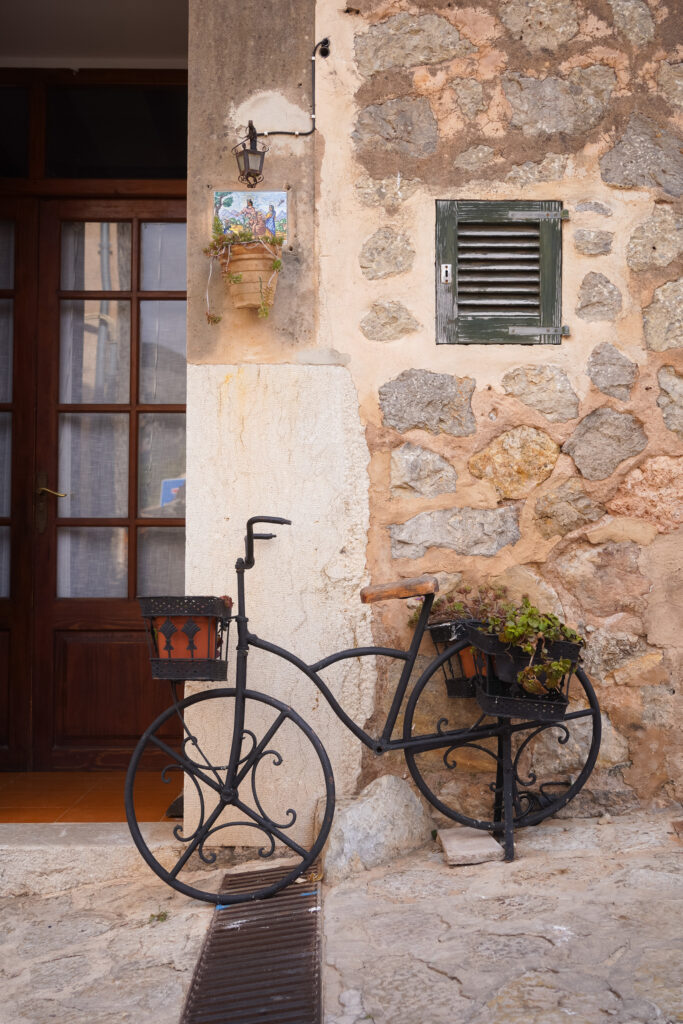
<point x="92" y="561"/>
<point x="161" y="480"/>
<point x="93" y="465"/>
<point x="162" y="352"/>
<point x="163" y="257"/>
<point x="4" y="561"/>
<point x="94" y="359"/>
<point x="6" y="254"/>
<point x="6" y="346"/>
<point x="96" y="256"/>
<point x="5" y="461"/>
<point x="161" y="561"/>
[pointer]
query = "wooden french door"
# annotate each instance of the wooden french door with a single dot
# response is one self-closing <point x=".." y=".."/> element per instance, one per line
<point x="98" y="485"/>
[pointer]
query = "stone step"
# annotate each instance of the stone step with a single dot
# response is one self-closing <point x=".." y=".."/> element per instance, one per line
<point x="43" y="859"/>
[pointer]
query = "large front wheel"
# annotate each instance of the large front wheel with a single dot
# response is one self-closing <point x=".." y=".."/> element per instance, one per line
<point x="459" y="769"/>
<point x="265" y="812"/>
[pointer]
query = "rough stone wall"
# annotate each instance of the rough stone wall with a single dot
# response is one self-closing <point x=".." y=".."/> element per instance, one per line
<point x="558" y="470"/>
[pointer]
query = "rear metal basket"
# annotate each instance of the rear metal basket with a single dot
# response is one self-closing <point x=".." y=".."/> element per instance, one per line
<point x="188" y="636"/>
<point x="458" y="670"/>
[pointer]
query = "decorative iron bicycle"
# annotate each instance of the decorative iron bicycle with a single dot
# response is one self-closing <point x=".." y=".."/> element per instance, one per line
<point x="254" y="744"/>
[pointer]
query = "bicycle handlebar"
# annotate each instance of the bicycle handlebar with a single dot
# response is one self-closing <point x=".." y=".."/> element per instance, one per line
<point x="251" y="536"/>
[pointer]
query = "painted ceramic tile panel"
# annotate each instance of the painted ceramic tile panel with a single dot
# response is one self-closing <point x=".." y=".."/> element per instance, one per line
<point x="262" y="213"/>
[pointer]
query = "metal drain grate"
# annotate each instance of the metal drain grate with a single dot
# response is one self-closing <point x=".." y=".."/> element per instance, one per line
<point x="260" y="963"/>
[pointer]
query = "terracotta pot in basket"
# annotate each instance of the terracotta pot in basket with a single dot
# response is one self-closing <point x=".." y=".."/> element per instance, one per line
<point x="253" y="263"/>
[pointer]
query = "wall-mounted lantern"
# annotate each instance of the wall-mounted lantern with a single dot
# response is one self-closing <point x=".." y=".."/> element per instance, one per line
<point x="250" y="154"/>
<point x="250" y="158"/>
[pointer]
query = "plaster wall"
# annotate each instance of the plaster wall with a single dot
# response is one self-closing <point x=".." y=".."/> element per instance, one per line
<point x="608" y="569"/>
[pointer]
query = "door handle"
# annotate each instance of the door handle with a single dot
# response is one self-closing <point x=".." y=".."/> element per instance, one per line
<point x="46" y="490"/>
<point x="42" y="491"/>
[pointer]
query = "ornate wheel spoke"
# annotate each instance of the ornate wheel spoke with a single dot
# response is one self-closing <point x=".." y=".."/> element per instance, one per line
<point x="271" y="828"/>
<point x="188" y="766"/>
<point x="198" y="839"/>
<point x="255" y="753"/>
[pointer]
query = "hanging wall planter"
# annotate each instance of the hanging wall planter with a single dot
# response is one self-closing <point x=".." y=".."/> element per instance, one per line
<point x="249" y="264"/>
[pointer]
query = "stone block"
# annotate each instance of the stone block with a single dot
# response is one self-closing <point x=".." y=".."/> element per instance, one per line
<point x="468" y="846"/>
<point x="544" y="388"/>
<point x="593" y="243"/>
<point x="387" y="819"/>
<point x="604" y="579"/>
<point x="657" y="241"/>
<point x="599" y="299"/>
<point x="387" y="192"/>
<point x="437" y="402"/>
<point x="633" y="20"/>
<point x="407" y="41"/>
<point x="593" y="206"/>
<point x="402" y="127"/>
<point x="385" y="254"/>
<point x="474" y="159"/>
<point x="602" y="440"/>
<point x="646" y="155"/>
<point x="607" y="649"/>
<point x="670" y="81"/>
<point x="416" y="470"/>
<point x="517" y="461"/>
<point x="541" y="24"/>
<point x="469" y="531"/>
<point x="543" y="106"/>
<point x="653" y="492"/>
<point x="551" y="168"/>
<point x="670" y="399"/>
<point x="388" y="321"/>
<point x="663" y="318"/>
<point x="611" y="371"/>
<point x="566" y="508"/>
<point x="470" y="96"/>
<point x="645" y="670"/>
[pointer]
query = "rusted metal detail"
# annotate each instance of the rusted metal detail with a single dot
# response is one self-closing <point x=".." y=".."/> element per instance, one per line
<point x="260" y="963"/>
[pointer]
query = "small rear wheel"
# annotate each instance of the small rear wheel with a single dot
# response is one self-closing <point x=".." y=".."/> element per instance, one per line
<point x="282" y="766"/>
<point x="459" y="769"/>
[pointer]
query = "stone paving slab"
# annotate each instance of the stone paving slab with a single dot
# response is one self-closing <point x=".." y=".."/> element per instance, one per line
<point x="583" y="926"/>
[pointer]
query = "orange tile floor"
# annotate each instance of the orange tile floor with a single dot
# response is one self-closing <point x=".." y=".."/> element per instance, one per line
<point x="81" y="796"/>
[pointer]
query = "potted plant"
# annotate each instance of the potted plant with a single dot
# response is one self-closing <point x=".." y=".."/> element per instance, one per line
<point x="249" y="263"/>
<point x="522" y="657"/>
<point x="531" y="655"/>
<point x="451" y="614"/>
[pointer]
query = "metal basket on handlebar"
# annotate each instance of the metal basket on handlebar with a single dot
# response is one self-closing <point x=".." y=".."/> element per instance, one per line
<point x="188" y="636"/>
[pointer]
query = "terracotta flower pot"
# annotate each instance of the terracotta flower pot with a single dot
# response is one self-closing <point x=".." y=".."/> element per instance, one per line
<point x="253" y="264"/>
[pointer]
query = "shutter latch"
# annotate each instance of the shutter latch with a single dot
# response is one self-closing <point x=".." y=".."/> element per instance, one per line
<point x="446" y="273"/>
<point x="546" y="335"/>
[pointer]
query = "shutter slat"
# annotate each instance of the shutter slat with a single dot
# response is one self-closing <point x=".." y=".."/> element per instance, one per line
<point x="499" y="290"/>
<point x="498" y="303"/>
<point x="492" y="246"/>
<point x="498" y="268"/>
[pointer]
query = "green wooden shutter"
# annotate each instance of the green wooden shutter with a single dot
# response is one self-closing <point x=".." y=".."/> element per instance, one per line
<point x="505" y="276"/>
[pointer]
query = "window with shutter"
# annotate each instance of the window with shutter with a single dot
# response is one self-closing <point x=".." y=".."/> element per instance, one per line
<point x="499" y="272"/>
